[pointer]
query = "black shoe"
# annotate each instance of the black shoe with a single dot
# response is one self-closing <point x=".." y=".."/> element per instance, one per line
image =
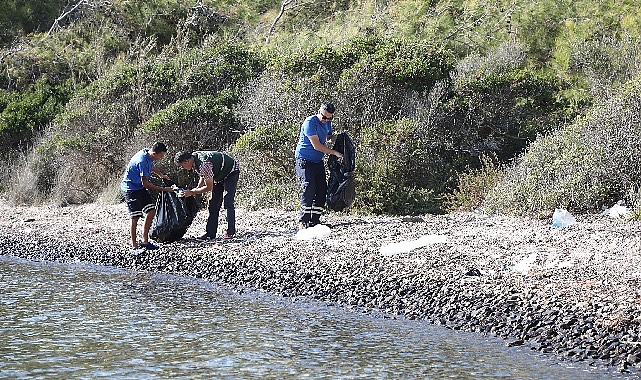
<point x="147" y="246"/>
<point x="205" y="237"/>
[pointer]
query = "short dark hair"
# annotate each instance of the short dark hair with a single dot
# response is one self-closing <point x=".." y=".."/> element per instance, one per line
<point x="182" y="157"/>
<point x="329" y="107"/>
<point x="158" y="147"/>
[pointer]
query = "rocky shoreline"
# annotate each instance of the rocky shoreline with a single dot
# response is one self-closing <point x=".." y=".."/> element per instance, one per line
<point x="571" y="291"/>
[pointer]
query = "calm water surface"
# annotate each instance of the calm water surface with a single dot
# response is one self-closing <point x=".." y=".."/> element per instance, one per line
<point x="86" y="322"/>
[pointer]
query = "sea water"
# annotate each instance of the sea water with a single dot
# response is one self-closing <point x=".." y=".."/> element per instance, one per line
<point x="80" y="321"/>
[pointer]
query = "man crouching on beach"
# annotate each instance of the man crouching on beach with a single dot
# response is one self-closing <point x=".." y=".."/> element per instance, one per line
<point x="135" y="186"/>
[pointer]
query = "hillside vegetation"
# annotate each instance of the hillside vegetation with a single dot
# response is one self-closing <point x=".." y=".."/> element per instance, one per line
<point x="512" y="106"/>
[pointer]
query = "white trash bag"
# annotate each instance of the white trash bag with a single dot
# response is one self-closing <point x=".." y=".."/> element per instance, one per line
<point x="562" y="218"/>
<point x="617" y="211"/>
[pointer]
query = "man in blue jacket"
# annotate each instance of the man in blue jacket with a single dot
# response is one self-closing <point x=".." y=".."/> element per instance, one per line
<point x="135" y="186"/>
<point x="310" y="170"/>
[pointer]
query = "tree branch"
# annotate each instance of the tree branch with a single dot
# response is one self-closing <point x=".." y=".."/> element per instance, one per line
<point x="62" y="16"/>
<point x="280" y="14"/>
<point x="283" y="8"/>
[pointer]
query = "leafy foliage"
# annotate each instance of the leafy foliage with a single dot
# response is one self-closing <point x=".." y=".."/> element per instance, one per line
<point x="25" y="114"/>
<point x="134" y="106"/>
<point x="399" y="172"/>
<point x="24" y="17"/>
<point x="590" y="164"/>
<point x="427" y="90"/>
<point x="267" y="167"/>
<point x="473" y="185"/>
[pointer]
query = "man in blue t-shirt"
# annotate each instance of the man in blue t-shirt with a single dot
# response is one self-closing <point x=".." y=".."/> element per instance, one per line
<point x="135" y="186"/>
<point x="310" y="170"/>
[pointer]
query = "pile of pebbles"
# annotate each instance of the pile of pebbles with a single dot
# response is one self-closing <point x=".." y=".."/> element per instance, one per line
<point x="571" y="291"/>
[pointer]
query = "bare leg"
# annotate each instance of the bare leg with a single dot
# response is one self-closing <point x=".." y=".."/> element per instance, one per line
<point x="134" y="225"/>
<point x="149" y="218"/>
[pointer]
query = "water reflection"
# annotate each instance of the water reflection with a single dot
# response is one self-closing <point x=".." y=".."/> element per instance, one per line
<point x="81" y="321"/>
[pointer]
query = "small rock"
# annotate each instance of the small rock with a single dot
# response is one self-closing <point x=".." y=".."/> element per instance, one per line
<point x="473" y="272"/>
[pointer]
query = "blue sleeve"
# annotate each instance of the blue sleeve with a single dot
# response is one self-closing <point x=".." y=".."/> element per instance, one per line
<point x="145" y="168"/>
<point x="309" y="129"/>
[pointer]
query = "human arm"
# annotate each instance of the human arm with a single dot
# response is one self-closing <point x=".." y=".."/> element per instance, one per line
<point x="204" y="185"/>
<point x="322" y="147"/>
<point x="159" y="173"/>
<point x="150" y="186"/>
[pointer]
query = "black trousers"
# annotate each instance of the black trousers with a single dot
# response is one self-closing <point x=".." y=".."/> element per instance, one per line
<point x="313" y="185"/>
<point x="228" y="187"/>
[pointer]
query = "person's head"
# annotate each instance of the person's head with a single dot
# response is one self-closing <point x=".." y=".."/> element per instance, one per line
<point x="158" y="151"/>
<point x="326" y="112"/>
<point x="184" y="160"/>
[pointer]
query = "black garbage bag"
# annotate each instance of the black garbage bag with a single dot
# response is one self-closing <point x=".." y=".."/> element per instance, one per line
<point x="173" y="217"/>
<point x="340" y="186"/>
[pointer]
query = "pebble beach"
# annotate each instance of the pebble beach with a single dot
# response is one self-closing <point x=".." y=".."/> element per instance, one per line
<point x="573" y="291"/>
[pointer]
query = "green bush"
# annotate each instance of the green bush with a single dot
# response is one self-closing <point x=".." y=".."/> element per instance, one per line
<point x="184" y="72"/>
<point x="332" y="59"/>
<point x="606" y="63"/>
<point x="201" y="122"/>
<point x="20" y="17"/>
<point x="399" y="171"/>
<point x="79" y="53"/>
<point x="474" y="185"/>
<point x="586" y="166"/>
<point x="508" y="110"/>
<point x="410" y="64"/>
<point x="158" y="99"/>
<point x="492" y="106"/>
<point x="266" y="157"/>
<point x="413" y="65"/>
<point x="25" y="114"/>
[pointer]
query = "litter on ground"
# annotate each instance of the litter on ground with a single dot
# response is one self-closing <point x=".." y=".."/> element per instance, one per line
<point x="410" y="245"/>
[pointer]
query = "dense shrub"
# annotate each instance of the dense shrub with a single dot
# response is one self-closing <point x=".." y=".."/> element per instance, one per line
<point x="503" y="113"/>
<point x="473" y="185"/>
<point x="372" y="81"/>
<point x="400" y="170"/>
<point x="201" y="122"/>
<point x="25" y="114"/>
<point x="498" y="106"/>
<point x="267" y="167"/>
<point x="385" y="83"/>
<point x="163" y="99"/>
<point x="605" y="63"/>
<point x="583" y="167"/>
<point x="415" y="130"/>
<point x="182" y="72"/>
<point x="410" y="64"/>
<point x="24" y="17"/>
<point x="81" y="52"/>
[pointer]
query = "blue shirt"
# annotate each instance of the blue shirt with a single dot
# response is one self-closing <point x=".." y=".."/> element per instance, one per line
<point x="312" y="126"/>
<point x="139" y="166"/>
